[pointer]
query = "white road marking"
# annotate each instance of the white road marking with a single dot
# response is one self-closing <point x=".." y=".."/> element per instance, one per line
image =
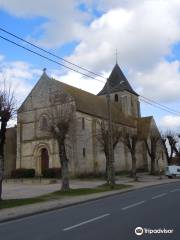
<point x="85" y="222"/>
<point x="175" y="190"/>
<point x="160" y="195"/>
<point x="133" y="205"/>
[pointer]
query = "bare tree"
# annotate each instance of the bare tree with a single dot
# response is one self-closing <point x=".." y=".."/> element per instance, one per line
<point x="168" y="138"/>
<point x="7" y="110"/>
<point x="130" y="140"/>
<point x="170" y="141"/>
<point x="176" y="146"/>
<point x="61" y="123"/>
<point x="103" y="138"/>
<point x="169" y="153"/>
<point x="151" y="144"/>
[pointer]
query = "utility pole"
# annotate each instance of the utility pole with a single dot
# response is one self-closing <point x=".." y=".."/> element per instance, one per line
<point x="111" y="174"/>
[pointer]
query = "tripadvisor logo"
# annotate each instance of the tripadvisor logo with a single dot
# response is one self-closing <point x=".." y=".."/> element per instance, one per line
<point x="139" y="231"/>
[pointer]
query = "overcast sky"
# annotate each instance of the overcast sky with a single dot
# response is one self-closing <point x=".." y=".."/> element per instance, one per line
<point x="146" y="34"/>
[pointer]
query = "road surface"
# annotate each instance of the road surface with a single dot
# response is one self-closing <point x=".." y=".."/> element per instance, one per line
<point x="153" y="209"/>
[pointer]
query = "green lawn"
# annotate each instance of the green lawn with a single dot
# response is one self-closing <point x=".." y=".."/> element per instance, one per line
<point x="57" y="195"/>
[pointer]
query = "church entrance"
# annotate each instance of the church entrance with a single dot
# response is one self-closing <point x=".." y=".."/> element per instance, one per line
<point x="44" y="159"/>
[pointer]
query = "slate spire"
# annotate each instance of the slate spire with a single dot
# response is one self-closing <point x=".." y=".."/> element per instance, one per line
<point x="118" y="82"/>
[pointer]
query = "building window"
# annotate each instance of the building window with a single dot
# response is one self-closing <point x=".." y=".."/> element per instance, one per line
<point x="84" y="152"/>
<point x="116" y="98"/>
<point x="83" y="123"/>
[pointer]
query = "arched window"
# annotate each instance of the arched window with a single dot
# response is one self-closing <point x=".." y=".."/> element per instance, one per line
<point x="116" y="98"/>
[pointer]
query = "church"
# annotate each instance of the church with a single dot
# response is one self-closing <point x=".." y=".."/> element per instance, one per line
<point x="38" y="149"/>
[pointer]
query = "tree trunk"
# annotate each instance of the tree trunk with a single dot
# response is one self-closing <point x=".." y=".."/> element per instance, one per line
<point x="1" y="168"/>
<point x="152" y="172"/>
<point x="110" y="176"/>
<point x="107" y="168"/>
<point x="65" y="176"/>
<point x="133" y="171"/>
<point x="1" y="174"/>
<point x="111" y="173"/>
<point x="2" y="142"/>
<point x="1" y="180"/>
<point x="108" y="172"/>
<point x="64" y="167"/>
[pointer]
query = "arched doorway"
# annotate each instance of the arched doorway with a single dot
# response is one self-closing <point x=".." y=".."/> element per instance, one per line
<point x="44" y="159"/>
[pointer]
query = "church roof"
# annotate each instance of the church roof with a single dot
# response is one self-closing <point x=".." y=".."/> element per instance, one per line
<point x="144" y="126"/>
<point x="91" y="104"/>
<point x="85" y="102"/>
<point x="118" y="82"/>
<point x="147" y="127"/>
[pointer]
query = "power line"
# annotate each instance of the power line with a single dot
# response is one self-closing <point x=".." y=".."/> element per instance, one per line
<point x="49" y="59"/>
<point x="150" y="101"/>
<point x="50" y="53"/>
<point x="156" y="104"/>
<point x="161" y="105"/>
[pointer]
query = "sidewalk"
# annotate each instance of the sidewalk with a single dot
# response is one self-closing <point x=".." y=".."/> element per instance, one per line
<point x="26" y="210"/>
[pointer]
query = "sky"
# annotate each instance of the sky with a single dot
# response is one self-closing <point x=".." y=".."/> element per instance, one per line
<point x="146" y="34"/>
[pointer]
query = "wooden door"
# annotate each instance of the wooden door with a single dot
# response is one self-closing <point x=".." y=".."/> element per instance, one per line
<point x="44" y="159"/>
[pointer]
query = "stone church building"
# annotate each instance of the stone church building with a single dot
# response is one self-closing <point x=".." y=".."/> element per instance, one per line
<point x="37" y="148"/>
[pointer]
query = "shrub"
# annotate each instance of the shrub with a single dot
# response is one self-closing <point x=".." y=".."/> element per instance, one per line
<point x="52" y="173"/>
<point x="23" y="173"/>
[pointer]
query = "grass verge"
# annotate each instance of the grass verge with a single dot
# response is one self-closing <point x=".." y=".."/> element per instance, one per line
<point x="9" y="203"/>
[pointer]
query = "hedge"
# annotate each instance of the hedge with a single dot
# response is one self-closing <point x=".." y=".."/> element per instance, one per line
<point x="23" y="173"/>
<point x="52" y="173"/>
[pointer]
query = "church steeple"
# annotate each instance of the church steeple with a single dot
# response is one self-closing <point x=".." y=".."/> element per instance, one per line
<point x="122" y="93"/>
<point x="118" y="82"/>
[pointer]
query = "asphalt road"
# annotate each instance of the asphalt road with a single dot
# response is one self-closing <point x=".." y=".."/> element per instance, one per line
<point x="115" y="217"/>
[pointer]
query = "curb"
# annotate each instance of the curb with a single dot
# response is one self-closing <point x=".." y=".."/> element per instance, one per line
<point x="81" y="202"/>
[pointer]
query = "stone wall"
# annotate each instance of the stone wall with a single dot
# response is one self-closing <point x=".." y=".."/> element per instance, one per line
<point x="93" y="160"/>
<point x="127" y="102"/>
<point x="84" y="152"/>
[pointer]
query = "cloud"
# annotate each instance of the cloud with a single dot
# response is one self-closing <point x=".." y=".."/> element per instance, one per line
<point x="64" y="21"/>
<point x="160" y="83"/>
<point x="143" y="34"/>
<point x="19" y="77"/>
<point x="170" y="122"/>
<point x="76" y="80"/>
<point x="1" y="58"/>
<point x="124" y="24"/>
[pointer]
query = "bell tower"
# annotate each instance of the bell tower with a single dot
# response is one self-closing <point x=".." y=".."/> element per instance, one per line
<point x="122" y="93"/>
